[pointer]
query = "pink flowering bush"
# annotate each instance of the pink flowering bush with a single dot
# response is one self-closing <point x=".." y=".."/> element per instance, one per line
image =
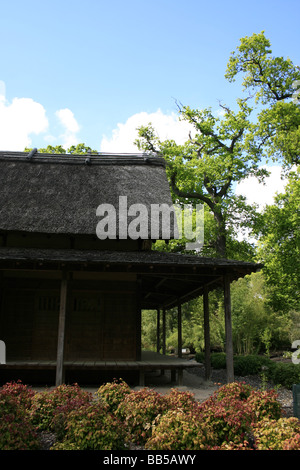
<point x="92" y="427"/>
<point x="281" y="434"/>
<point x="22" y="393"/>
<point x="180" y="430"/>
<point x="16" y="430"/>
<point x="225" y="421"/>
<point x="292" y="443"/>
<point x="48" y="404"/>
<point x="112" y="393"/>
<point x="138" y="410"/>
<point x="265" y="404"/>
<point x="177" y="400"/>
<point x="235" y="417"/>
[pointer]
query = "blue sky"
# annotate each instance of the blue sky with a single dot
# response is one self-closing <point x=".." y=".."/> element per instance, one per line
<point x="91" y="71"/>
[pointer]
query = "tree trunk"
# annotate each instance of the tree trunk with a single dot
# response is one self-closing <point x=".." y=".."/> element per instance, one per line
<point x="221" y="235"/>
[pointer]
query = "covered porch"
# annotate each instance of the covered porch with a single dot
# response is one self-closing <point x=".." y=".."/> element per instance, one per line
<point x="163" y="281"/>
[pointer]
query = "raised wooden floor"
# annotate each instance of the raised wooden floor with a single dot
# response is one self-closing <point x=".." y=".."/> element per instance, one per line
<point x="149" y="361"/>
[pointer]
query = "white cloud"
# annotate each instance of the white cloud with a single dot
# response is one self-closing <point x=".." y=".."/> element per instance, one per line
<point x="68" y="121"/>
<point x="260" y="193"/>
<point x="18" y="120"/>
<point x="167" y="126"/>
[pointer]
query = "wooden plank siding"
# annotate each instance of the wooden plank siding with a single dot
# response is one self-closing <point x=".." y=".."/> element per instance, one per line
<point x="100" y="324"/>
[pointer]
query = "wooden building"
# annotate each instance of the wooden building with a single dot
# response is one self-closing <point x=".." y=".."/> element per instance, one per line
<point x="72" y="302"/>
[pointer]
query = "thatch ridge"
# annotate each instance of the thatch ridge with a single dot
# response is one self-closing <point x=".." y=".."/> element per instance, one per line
<point x="91" y="159"/>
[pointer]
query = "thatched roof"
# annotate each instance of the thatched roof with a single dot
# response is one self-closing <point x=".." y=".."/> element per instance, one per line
<point x="58" y="194"/>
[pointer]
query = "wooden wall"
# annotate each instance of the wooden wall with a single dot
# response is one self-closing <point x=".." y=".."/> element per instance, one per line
<point x="102" y="319"/>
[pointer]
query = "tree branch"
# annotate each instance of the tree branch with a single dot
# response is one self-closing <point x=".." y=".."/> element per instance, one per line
<point x="189" y="195"/>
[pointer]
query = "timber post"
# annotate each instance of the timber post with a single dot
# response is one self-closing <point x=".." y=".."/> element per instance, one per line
<point x="158" y="331"/>
<point x="228" y="330"/>
<point x="179" y="320"/>
<point x="61" y="330"/>
<point x="206" y="334"/>
<point x="164" y="332"/>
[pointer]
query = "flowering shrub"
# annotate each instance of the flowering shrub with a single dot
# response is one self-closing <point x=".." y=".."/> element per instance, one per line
<point x="22" y="393"/>
<point x="16" y="430"/>
<point x="138" y="410"/>
<point x="46" y="404"/>
<point x="229" y="419"/>
<point x="278" y="434"/>
<point x="235" y="390"/>
<point x="176" y="400"/>
<point x="92" y="427"/>
<point x="235" y="417"/>
<point x="292" y="443"/>
<point x="179" y="430"/>
<point x="224" y="421"/>
<point x="58" y="423"/>
<point x="112" y="393"/>
<point x="265" y="404"/>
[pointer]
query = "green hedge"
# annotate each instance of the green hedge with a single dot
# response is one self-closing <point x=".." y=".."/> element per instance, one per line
<point x="284" y="374"/>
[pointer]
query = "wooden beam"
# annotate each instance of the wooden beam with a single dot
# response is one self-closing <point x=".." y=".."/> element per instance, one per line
<point x="206" y="334"/>
<point x="61" y="330"/>
<point x="179" y="326"/>
<point x="228" y="330"/>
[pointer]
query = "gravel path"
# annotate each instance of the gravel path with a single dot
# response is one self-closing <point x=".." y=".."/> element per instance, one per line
<point x="285" y="396"/>
<point x="194" y="382"/>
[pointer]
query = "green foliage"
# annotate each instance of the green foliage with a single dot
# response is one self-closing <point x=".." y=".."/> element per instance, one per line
<point x="250" y="315"/>
<point x="284" y="374"/>
<point x="224" y="150"/>
<point x="250" y="364"/>
<point x="92" y="427"/>
<point x="272" y="79"/>
<point x="279" y="247"/>
<point x="204" y="169"/>
<point x="280" y="373"/>
<point x="79" y="149"/>
<point x="217" y="360"/>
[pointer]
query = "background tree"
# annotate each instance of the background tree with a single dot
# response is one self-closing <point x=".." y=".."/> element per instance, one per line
<point x="224" y="150"/>
<point x="274" y="82"/>
<point x="279" y="247"/>
<point x="79" y="149"/>
<point x="205" y="168"/>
